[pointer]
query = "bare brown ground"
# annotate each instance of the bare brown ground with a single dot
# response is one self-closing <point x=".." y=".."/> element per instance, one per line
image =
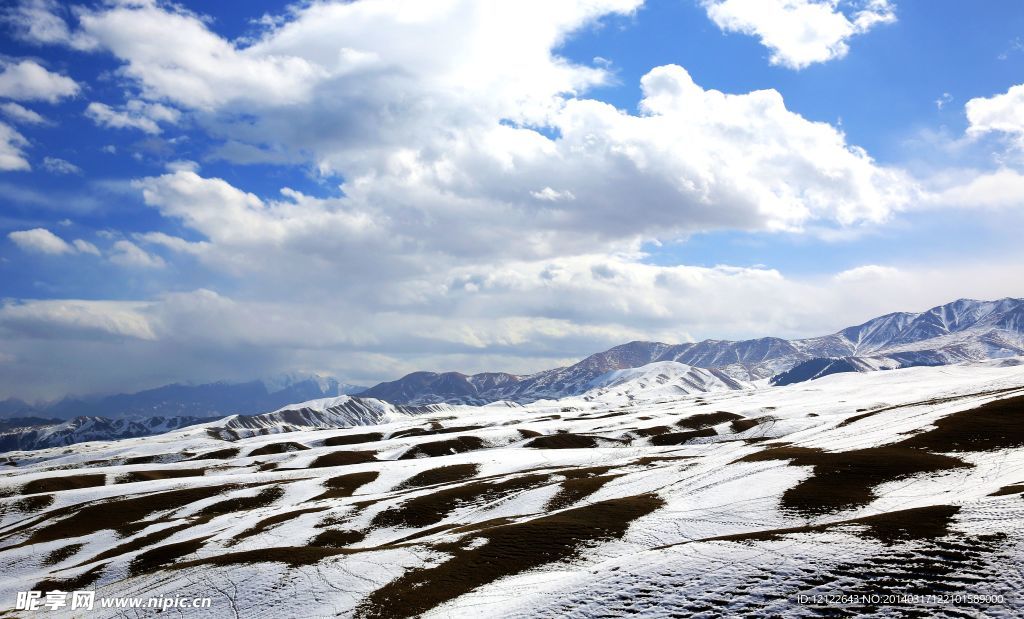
<point x="681" y="438"/>
<point x="891" y="527"/>
<point x="343" y="458"/>
<point x="353" y="439"/>
<point x="509" y="550"/>
<point x="278" y="448"/>
<point x="563" y="441"/>
<point x="136" y="476"/>
<point x="706" y="420"/>
<point x="458" y="445"/>
<point x="344" y="486"/>
<point x="427" y="509"/>
<point x="64" y="482"/>
<point x="846" y="479"/>
<point x="268" y="523"/>
<point x="441" y="475"/>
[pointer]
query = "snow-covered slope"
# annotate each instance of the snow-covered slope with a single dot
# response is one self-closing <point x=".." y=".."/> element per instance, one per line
<point x="729" y="502"/>
<point x="662" y="379"/>
<point x="964" y="330"/>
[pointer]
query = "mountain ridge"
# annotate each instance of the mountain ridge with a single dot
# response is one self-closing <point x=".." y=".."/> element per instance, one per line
<point x="962" y="330"/>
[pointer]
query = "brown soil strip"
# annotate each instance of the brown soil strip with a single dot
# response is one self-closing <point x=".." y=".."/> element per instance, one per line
<point x="343" y="458"/>
<point x="337" y="538"/>
<point x="846" y="479"/>
<point x="120" y="514"/>
<point x="742" y="425"/>
<point x="293" y="556"/>
<point x="66" y="482"/>
<point x="995" y="425"/>
<point x="563" y="441"/>
<point x="435" y="430"/>
<point x="219" y="454"/>
<point x="264" y="498"/>
<point x="1007" y="490"/>
<point x="140" y="542"/>
<point x="353" y="439"/>
<point x="61" y="554"/>
<point x="573" y="491"/>
<point x="277" y="448"/>
<point x="164" y="555"/>
<point x="268" y="523"/>
<point x="509" y="550"/>
<point x="33" y="503"/>
<point x="681" y="438"/>
<point x="345" y="486"/>
<point x="528" y="433"/>
<point x="655" y="431"/>
<point x="156" y="474"/>
<point x="706" y="420"/>
<point x="891" y="527"/>
<point x="82" y="581"/>
<point x="428" y="509"/>
<point x="442" y="475"/>
<point x="457" y="445"/>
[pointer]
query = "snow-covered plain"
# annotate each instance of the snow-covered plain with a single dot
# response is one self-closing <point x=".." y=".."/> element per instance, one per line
<point x="632" y="498"/>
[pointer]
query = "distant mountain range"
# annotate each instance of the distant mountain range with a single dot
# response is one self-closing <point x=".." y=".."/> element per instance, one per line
<point x="182" y="400"/>
<point x="964" y="330"/>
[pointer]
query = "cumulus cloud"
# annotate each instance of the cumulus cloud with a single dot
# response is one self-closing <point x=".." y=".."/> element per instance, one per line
<point x="1001" y="188"/>
<point x="800" y="32"/>
<point x="38" y="21"/>
<point x="134" y="114"/>
<point x="12" y="145"/>
<point x="57" y="165"/>
<point x="21" y="114"/>
<point x="40" y="240"/>
<point x="1002" y="113"/>
<point x="85" y="247"/>
<point x="27" y="80"/>
<point x="127" y="254"/>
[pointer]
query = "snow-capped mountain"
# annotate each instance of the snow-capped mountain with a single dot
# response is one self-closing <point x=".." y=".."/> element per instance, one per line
<point x="660" y="380"/>
<point x="339" y="412"/>
<point x="964" y="330"/>
<point x="80" y="429"/>
<point x="186" y="400"/>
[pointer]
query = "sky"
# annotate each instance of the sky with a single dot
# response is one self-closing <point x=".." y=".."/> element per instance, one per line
<point x="198" y="191"/>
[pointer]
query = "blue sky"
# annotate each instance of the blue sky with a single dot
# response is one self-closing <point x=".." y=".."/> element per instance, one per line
<point x="203" y="191"/>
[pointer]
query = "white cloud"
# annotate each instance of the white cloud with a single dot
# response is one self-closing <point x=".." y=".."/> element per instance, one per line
<point x="75" y="318"/>
<point x="943" y="100"/>
<point x="1003" y="113"/>
<point x="12" y="144"/>
<point x="1002" y="188"/>
<point x="60" y="166"/>
<point x="134" y="114"/>
<point x="550" y="195"/>
<point x="127" y="254"/>
<point x="85" y="247"/>
<point x="182" y="165"/>
<point x="866" y="273"/>
<point x="40" y="240"/>
<point x="37" y="21"/>
<point x="27" y="80"/>
<point x="800" y="32"/>
<point x="21" y="114"/>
